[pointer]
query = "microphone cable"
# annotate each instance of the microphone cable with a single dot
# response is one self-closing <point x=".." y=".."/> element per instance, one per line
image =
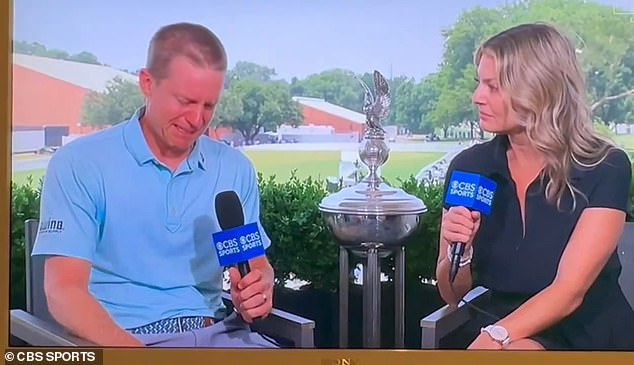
<point x="471" y="305"/>
<point x="482" y="311"/>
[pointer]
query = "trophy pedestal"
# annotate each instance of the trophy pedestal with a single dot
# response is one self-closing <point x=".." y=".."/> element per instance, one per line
<point x="372" y="296"/>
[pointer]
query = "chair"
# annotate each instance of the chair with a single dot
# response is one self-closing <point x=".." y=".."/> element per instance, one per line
<point x="36" y="326"/>
<point x="444" y="321"/>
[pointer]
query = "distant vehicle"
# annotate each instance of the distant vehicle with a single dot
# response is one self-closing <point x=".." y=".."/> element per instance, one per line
<point x="48" y="150"/>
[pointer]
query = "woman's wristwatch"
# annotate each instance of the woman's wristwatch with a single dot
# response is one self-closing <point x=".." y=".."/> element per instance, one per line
<point x="498" y="333"/>
<point x="465" y="259"/>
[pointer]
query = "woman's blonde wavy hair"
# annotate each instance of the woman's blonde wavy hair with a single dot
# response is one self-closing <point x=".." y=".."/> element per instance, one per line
<point x="545" y="84"/>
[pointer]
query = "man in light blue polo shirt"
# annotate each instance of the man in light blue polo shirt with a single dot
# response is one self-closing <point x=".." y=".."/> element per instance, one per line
<point x="127" y="214"/>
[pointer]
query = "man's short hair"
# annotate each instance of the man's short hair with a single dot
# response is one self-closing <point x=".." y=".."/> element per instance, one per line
<point x="193" y="41"/>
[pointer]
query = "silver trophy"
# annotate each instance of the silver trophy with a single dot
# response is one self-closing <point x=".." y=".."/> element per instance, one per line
<point x="374" y="151"/>
<point x="372" y="220"/>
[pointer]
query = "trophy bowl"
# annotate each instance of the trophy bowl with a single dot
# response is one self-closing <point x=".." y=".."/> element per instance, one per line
<point x="359" y="217"/>
<point x="353" y="230"/>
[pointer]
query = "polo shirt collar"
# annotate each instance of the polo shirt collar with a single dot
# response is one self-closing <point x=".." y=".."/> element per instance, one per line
<point x="197" y="157"/>
<point x="500" y="146"/>
<point x="137" y="145"/>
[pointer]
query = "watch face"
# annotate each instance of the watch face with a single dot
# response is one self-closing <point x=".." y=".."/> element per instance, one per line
<point x="499" y="333"/>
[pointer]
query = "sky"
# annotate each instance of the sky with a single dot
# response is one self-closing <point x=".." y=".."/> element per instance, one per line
<point x="296" y="38"/>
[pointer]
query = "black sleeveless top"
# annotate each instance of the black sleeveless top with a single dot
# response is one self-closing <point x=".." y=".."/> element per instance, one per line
<point x="516" y="265"/>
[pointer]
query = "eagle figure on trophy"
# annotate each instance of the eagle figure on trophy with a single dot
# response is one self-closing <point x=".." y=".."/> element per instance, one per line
<point x="376" y="107"/>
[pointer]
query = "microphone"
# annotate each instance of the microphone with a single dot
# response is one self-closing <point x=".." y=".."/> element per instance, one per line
<point x="474" y="192"/>
<point x="236" y="243"/>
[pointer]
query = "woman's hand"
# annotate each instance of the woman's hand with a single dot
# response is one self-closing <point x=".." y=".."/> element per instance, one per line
<point x="459" y="224"/>
<point x="484" y="342"/>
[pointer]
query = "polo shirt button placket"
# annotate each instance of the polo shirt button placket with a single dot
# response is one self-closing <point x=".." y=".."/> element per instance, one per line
<point x="173" y="219"/>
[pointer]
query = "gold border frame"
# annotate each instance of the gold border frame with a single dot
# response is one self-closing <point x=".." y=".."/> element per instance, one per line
<point x="243" y="356"/>
<point x="6" y="37"/>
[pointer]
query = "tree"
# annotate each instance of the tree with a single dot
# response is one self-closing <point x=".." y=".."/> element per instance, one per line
<point x="117" y="103"/>
<point x="428" y="92"/>
<point x="395" y="86"/>
<point x="244" y="70"/>
<point x="37" y="49"/>
<point x="253" y="106"/>
<point x="454" y="100"/>
<point x="603" y="43"/>
<point x="228" y="110"/>
<point x="59" y="54"/>
<point x="452" y="86"/>
<point x="336" y="86"/>
<point x="85" y="57"/>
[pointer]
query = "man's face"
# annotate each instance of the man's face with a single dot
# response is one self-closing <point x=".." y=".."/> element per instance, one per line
<point x="180" y="106"/>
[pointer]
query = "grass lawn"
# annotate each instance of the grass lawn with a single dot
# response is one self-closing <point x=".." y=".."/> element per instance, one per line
<point x="326" y="163"/>
<point x="625" y="140"/>
<point x="307" y="163"/>
<point x="26" y="156"/>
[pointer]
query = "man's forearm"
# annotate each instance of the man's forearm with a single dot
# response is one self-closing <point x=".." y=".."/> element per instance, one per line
<point x="81" y="314"/>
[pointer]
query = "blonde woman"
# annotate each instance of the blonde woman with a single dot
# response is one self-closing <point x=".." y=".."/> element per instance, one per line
<point x="547" y="252"/>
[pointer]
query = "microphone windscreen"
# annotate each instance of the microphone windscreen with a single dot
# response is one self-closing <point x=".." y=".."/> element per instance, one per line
<point x="229" y="210"/>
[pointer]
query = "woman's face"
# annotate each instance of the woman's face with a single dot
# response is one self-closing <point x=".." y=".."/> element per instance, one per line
<point x="494" y="110"/>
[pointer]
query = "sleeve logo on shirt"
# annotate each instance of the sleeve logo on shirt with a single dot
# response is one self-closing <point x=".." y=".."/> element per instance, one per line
<point x="52" y="226"/>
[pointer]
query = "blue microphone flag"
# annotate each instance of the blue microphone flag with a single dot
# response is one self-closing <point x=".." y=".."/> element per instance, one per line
<point x="238" y="244"/>
<point x="471" y="190"/>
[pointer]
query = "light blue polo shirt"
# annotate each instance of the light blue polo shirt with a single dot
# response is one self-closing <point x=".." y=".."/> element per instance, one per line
<point x="146" y="231"/>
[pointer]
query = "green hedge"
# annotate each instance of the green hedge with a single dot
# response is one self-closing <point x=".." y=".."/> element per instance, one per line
<point x="25" y="204"/>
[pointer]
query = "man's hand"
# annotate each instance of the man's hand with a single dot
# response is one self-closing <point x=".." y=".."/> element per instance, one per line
<point x="251" y="295"/>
